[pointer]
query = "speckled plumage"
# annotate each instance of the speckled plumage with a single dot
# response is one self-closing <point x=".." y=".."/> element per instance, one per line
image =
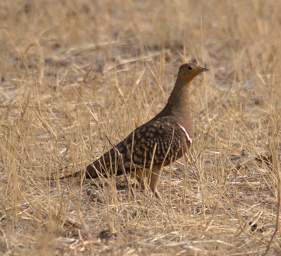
<point x="155" y="144"/>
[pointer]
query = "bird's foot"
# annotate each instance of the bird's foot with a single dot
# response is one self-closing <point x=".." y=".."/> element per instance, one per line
<point x="157" y="194"/>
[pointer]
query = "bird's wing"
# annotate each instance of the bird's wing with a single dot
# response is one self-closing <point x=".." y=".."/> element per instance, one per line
<point x="156" y="143"/>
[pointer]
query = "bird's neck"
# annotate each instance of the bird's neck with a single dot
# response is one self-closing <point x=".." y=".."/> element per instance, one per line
<point x="178" y="104"/>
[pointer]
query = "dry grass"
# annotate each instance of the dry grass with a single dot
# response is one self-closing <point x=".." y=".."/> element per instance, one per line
<point x="76" y="72"/>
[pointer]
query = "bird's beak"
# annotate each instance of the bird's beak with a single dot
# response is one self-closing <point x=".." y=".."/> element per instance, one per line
<point x="205" y="68"/>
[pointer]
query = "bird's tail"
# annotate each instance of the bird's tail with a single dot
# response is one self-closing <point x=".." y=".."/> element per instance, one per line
<point x="110" y="164"/>
<point x="106" y="166"/>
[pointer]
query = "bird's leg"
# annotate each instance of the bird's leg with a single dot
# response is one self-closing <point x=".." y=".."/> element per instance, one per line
<point x="154" y="180"/>
<point x="141" y="176"/>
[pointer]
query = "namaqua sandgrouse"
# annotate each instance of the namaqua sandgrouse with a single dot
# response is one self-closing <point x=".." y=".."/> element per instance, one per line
<point x="157" y="143"/>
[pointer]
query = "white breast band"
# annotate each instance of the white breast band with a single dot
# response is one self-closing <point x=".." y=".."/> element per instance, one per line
<point x="186" y="133"/>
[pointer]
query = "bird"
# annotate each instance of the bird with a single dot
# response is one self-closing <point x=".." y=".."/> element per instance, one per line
<point x="156" y="143"/>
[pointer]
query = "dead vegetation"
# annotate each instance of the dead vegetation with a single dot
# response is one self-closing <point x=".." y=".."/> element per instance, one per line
<point x="74" y="73"/>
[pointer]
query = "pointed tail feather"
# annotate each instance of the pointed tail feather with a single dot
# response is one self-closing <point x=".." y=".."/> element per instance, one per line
<point x="101" y="168"/>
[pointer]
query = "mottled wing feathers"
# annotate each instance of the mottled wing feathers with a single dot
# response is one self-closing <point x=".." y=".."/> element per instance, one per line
<point x="156" y="143"/>
<point x="159" y="141"/>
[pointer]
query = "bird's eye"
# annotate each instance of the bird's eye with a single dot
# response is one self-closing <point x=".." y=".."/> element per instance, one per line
<point x="190" y="68"/>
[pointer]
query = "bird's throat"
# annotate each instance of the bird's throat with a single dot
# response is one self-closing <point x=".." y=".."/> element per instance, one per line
<point x="178" y="105"/>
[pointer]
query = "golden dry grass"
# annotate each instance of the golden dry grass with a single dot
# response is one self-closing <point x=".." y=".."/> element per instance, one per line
<point x="76" y="72"/>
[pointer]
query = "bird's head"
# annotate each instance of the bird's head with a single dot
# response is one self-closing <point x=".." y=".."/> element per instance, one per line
<point x="189" y="70"/>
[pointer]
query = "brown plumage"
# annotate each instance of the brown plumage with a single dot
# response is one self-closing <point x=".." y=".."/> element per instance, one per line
<point x="157" y="143"/>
